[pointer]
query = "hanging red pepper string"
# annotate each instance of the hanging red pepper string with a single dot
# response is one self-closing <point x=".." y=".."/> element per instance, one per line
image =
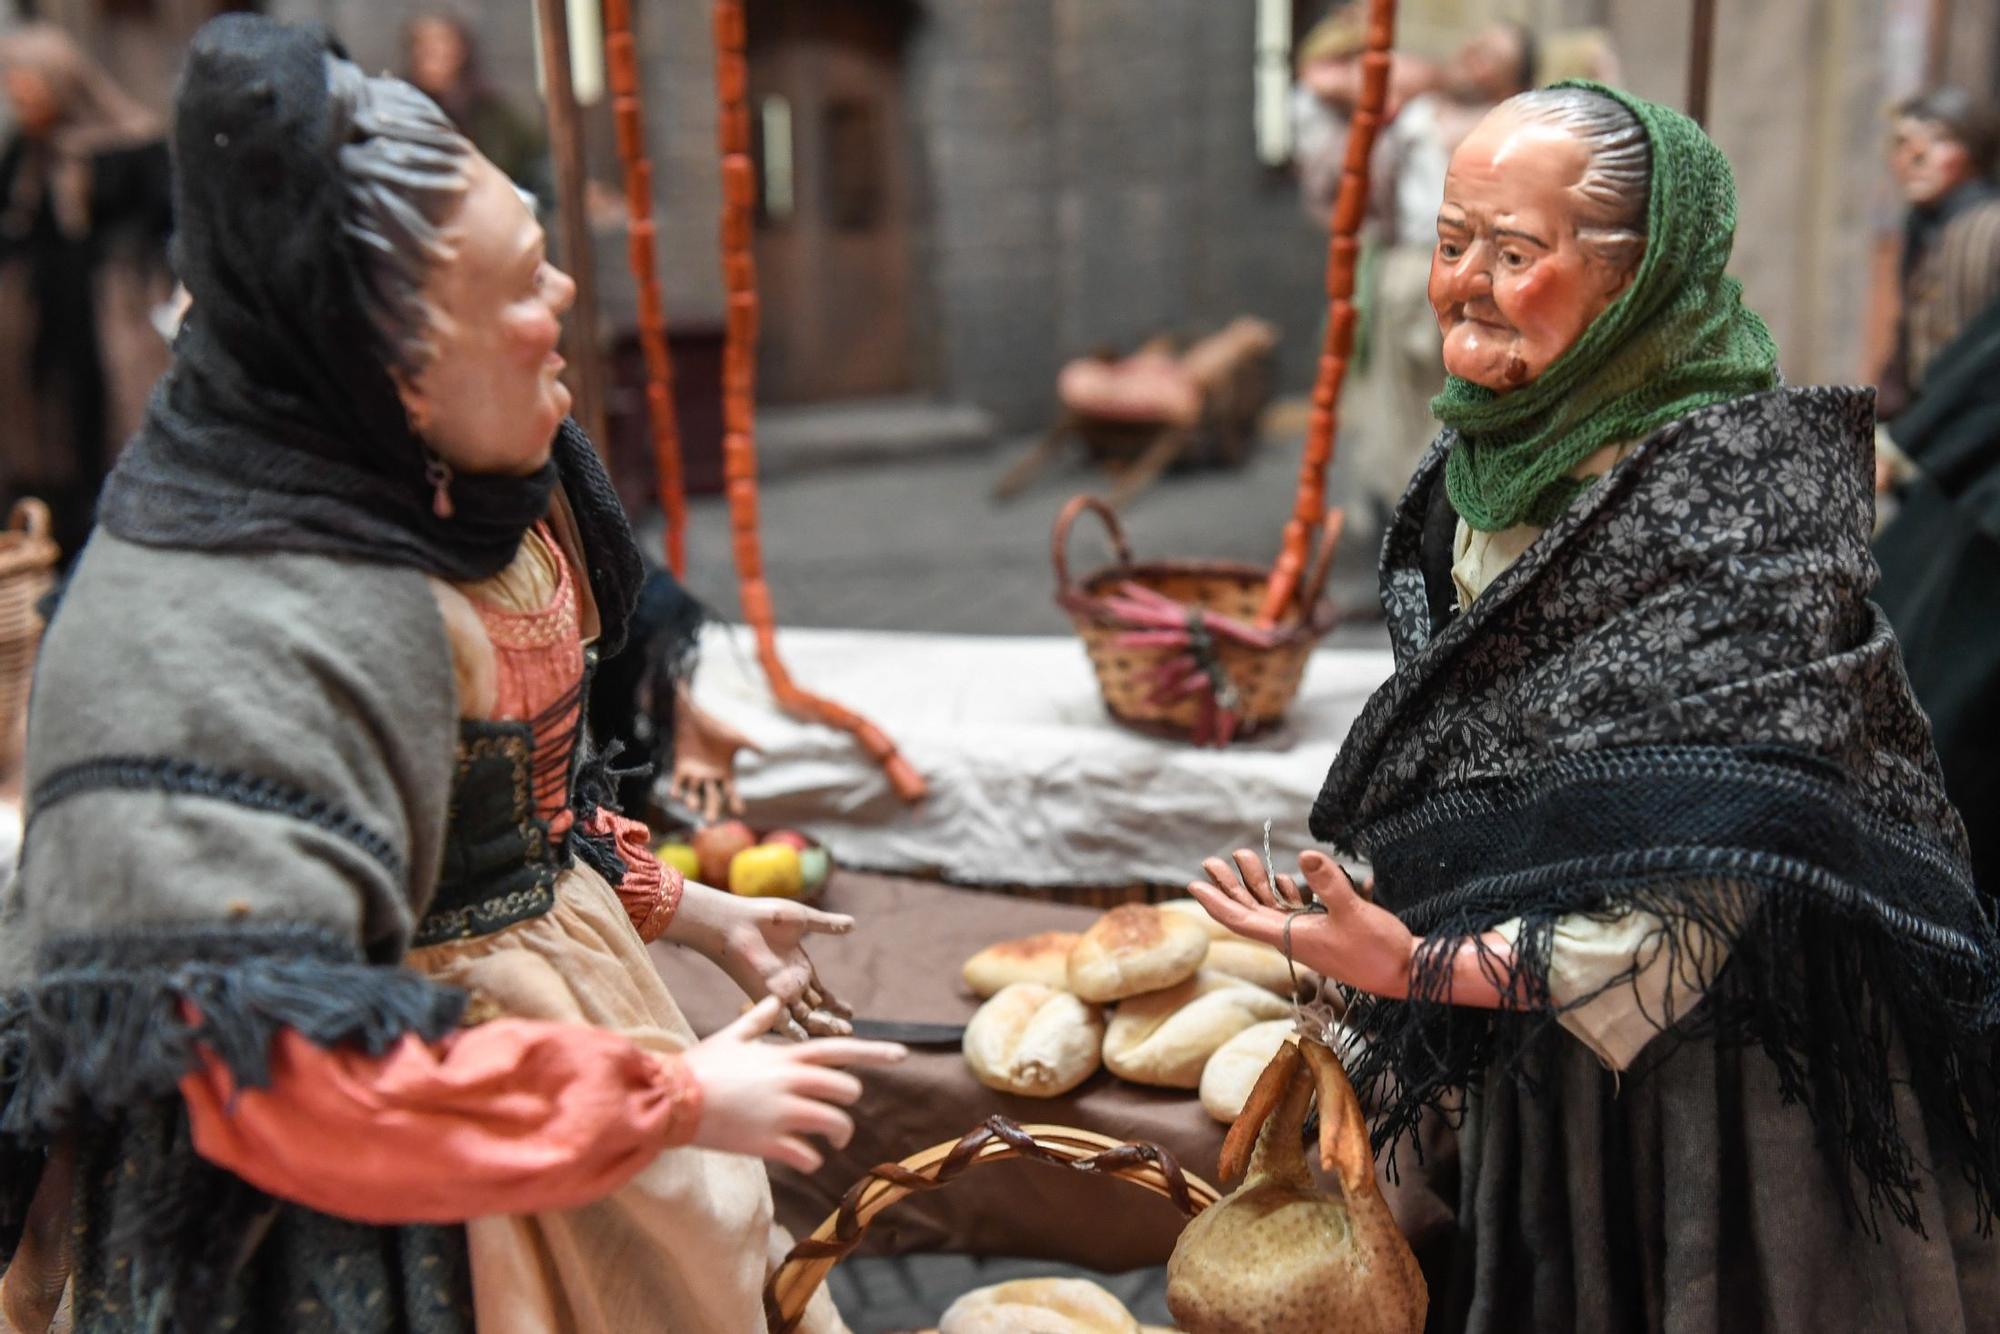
<point x="1343" y="252"/>
<point x="622" y="62"/>
<point x="739" y="380"/>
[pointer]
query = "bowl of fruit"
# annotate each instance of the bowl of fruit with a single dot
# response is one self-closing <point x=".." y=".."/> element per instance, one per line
<point x="728" y="854"/>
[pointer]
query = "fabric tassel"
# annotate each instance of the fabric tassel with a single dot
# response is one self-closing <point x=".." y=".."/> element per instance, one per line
<point x="1845" y="1009"/>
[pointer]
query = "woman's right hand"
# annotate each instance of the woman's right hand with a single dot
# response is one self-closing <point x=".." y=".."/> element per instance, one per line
<point x="763" y="1098"/>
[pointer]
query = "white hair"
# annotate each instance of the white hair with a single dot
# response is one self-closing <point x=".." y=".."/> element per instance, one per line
<point x="406" y="171"/>
<point x="1617" y="184"/>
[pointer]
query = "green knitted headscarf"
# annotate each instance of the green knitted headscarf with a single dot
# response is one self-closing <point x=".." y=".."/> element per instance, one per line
<point x="1679" y="338"/>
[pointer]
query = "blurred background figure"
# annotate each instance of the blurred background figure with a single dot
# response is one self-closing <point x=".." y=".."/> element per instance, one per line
<point x="1578" y="53"/>
<point x="441" y="56"/>
<point x="1327" y="91"/>
<point x="1943" y="155"/>
<point x="85" y="209"/>
<point x="1940" y="448"/>
<point x="1398" y="369"/>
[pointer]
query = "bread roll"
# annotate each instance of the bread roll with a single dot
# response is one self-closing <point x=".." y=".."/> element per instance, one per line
<point x="1043" y="959"/>
<point x="1229" y="1075"/>
<point x="1034" y="1040"/>
<point x="1166" y="1038"/>
<point x="1133" y="950"/>
<point x="1039" y="1306"/>
<point x="1252" y="961"/>
<point x="1192" y="908"/>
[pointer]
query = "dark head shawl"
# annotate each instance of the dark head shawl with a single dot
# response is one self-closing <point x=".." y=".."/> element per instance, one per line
<point x="279" y="427"/>
<point x="1679" y="700"/>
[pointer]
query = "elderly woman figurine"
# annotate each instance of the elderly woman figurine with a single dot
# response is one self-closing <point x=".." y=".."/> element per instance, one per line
<point x="321" y="943"/>
<point x="1668" y="901"/>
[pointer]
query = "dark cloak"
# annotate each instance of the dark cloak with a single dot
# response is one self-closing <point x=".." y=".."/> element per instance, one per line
<point x="1680" y="700"/>
<point x="1940" y="585"/>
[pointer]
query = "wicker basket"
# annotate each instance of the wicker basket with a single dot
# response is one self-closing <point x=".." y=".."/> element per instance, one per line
<point x="1265" y="679"/>
<point x="27" y="571"/>
<point x="1148" y="1165"/>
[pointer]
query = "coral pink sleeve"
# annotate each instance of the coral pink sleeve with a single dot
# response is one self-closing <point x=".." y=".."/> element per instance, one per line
<point x="650" y="891"/>
<point x="509" y="1117"/>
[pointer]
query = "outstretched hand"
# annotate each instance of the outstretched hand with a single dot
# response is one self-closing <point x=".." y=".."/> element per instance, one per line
<point x="1353" y="941"/>
<point x="760" y="943"/>
<point x="763" y="1099"/>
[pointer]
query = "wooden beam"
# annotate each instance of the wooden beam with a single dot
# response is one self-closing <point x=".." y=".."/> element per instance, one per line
<point x="581" y="338"/>
<point x="1701" y="61"/>
<point x="1937" y="50"/>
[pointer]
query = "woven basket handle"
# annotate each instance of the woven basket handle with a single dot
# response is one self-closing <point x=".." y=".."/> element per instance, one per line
<point x="1315" y="584"/>
<point x="1066" y="590"/>
<point x="997" y="1138"/>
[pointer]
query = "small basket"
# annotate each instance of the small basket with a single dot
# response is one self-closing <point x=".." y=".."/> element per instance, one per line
<point x="28" y="557"/>
<point x="1148" y="1165"/>
<point x="1266" y="680"/>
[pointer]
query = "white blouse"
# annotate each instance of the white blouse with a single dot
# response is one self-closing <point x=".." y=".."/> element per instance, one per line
<point x="1592" y="950"/>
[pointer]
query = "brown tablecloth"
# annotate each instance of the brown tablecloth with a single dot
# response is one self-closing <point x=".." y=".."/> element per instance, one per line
<point x="902" y="964"/>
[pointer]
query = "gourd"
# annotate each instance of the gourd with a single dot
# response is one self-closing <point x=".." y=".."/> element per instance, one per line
<point x="1280" y="1253"/>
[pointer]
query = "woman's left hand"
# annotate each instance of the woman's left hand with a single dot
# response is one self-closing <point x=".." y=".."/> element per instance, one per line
<point x="705" y="750"/>
<point x="760" y="943"/>
<point x="1353" y="941"/>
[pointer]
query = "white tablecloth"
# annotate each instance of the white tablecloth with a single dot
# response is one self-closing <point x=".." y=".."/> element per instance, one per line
<point x="1031" y="782"/>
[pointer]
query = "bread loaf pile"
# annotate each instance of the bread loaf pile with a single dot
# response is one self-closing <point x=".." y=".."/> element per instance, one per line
<point x="1154" y="993"/>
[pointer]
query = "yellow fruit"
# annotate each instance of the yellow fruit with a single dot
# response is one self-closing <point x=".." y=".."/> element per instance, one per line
<point x="681" y="857"/>
<point x="771" y="871"/>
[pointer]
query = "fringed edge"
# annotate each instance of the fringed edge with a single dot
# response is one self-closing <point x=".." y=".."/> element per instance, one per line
<point x="1830" y="996"/>
<point x="632" y="695"/>
<point x="102" y="1032"/>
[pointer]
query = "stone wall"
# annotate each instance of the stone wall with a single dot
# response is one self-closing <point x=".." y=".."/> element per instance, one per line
<point x="1088" y="172"/>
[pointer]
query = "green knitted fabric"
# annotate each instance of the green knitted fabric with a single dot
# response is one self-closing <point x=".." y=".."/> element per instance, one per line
<point x="1679" y="338"/>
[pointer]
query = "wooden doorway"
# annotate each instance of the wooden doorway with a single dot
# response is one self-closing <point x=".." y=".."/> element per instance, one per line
<point x="835" y="208"/>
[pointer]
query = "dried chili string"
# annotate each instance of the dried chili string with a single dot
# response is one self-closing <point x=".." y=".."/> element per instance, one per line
<point x="1343" y="253"/>
<point x="739" y="381"/>
<point x="622" y="63"/>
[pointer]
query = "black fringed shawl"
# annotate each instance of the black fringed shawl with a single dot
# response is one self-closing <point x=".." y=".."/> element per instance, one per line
<point x="1680" y="700"/>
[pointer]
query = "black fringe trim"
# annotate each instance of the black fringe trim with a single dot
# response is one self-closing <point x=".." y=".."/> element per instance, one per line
<point x="101" y="1031"/>
<point x="1854" y="954"/>
<point x="632" y="697"/>
<point x="97" y="1045"/>
<point x="1847" y="1009"/>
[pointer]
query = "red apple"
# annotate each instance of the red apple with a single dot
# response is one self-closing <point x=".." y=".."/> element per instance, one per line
<point x="790" y="838"/>
<point x="716" y="845"/>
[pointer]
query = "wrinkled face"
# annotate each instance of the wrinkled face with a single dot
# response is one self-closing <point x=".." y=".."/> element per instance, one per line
<point x="1512" y="286"/>
<point x="437" y="55"/>
<point x="490" y="400"/>
<point x="36" y="107"/>
<point x="1929" y="163"/>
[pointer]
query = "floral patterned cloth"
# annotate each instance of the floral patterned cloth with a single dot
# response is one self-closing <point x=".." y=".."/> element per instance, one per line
<point x="1679" y="700"/>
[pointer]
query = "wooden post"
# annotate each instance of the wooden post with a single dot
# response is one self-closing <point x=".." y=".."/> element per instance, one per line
<point x="1937" y="50"/>
<point x="586" y="363"/>
<point x="1701" y="61"/>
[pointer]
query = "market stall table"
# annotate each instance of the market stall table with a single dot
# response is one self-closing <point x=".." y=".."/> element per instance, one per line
<point x="1031" y="782"/>
<point x="902" y="965"/>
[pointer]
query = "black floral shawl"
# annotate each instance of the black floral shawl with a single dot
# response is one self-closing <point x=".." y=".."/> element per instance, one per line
<point x="1680" y="700"/>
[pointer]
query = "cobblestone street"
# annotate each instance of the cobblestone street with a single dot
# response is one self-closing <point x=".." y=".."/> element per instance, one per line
<point x="918" y="545"/>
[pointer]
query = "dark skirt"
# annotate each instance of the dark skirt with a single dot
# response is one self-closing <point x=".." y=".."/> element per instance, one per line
<point x="165" y="1242"/>
<point x="1691" y="1200"/>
